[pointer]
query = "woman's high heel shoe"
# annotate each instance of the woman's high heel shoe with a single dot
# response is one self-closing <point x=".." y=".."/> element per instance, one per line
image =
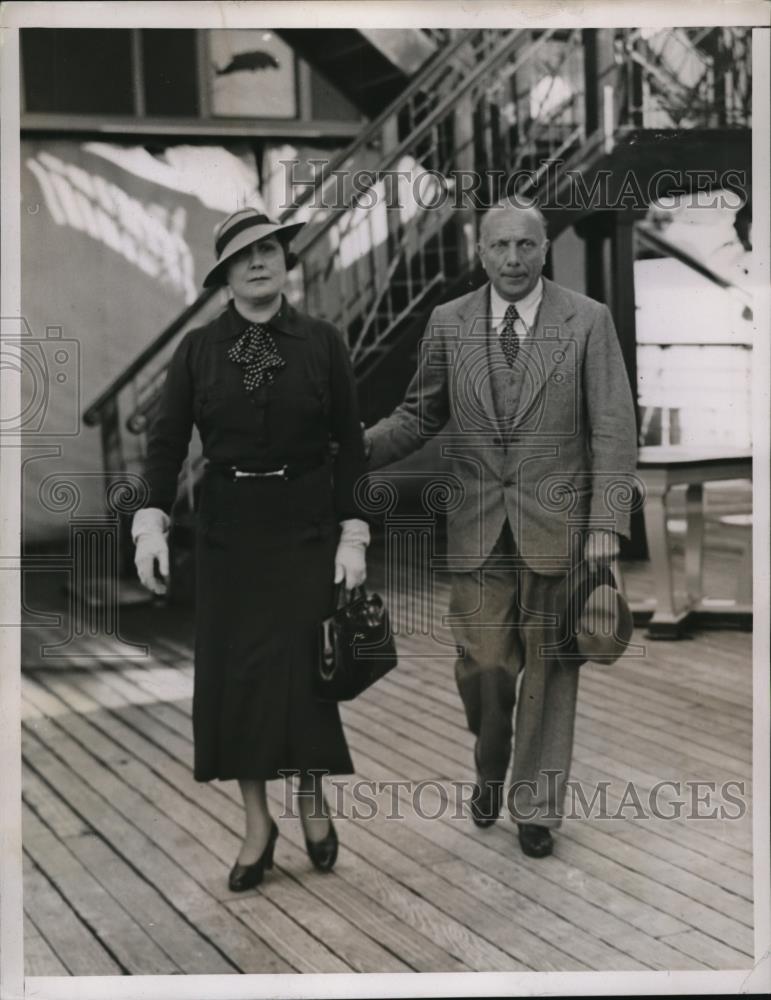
<point x="243" y="877"/>
<point x="323" y="853"/>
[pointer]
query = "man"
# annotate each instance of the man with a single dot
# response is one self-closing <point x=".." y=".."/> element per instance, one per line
<point x="526" y="382"/>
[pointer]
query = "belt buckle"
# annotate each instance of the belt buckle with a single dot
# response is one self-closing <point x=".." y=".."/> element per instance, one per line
<point x="241" y="474"/>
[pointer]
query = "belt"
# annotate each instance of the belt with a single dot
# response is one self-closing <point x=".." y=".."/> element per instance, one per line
<point x="287" y="471"/>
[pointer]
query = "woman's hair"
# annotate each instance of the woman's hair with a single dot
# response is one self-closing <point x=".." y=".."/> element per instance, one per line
<point x="290" y="257"/>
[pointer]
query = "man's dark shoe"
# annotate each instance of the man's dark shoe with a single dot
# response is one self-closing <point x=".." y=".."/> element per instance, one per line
<point x="535" y="841"/>
<point x="486" y="802"/>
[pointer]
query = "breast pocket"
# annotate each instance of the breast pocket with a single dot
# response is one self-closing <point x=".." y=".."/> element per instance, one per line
<point x="225" y="405"/>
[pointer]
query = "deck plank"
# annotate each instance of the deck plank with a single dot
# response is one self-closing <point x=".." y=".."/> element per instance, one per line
<point x="619" y="760"/>
<point x="177" y="881"/>
<point x="181" y="941"/>
<point x="714" y="954"/>
<point x="676" y="831"/>
<point x="108" y="781"/>
<point x="560" y="959"/>
<point x="397" y="833"/>
<point x="617" y="916"/>
<point x="442" y="928"/>
<point x="303" y="951"/>
<point x="74" y="944"/>
<point x="416" y="709"/>
<point x="187" y="817"/>
<point x="419" y="949"/>
<point x="666" y="746"/>
<point x="695" y="885"/>
<point x="363" y="912"/>
<point x="39" y="957"/>
<point x="118" y="931"/>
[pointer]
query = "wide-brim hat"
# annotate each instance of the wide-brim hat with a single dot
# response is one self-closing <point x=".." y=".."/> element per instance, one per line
<point x="594" y="620"/>
<point x="239" y="230"/>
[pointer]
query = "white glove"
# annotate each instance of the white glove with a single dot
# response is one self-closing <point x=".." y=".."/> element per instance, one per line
<point x="149" y="530"/>
<point x="351" y="555"/>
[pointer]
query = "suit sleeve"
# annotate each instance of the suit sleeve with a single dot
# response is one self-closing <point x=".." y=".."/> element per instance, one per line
<point x="426" y="406"/>
<point x="612" y="425"/>
<point x="349" y="463"/>
<point x="169" y="436"/>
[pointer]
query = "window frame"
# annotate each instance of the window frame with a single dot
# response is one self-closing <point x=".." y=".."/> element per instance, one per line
<point x="205" y="124"/>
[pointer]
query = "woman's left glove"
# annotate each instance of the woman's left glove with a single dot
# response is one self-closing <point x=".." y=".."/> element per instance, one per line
<point x="351" y="555"/>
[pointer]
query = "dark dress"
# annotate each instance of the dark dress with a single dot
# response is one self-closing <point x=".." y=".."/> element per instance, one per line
<point x="265" y="546"/>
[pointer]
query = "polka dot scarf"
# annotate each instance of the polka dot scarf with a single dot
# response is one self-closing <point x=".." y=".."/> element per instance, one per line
<point x="256" y="352"/>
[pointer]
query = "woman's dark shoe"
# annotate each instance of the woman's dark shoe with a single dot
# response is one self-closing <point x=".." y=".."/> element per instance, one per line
<point x="323" y="853"/>
<point x="243" y="877"/>
<point x="486" y="802"/>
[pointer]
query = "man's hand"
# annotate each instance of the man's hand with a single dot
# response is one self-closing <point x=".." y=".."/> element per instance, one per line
<point x="601" y="546"/>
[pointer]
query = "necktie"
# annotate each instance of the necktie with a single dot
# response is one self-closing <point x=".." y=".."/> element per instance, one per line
<point x="509" y="338"/>
<point x="256" y="352"/>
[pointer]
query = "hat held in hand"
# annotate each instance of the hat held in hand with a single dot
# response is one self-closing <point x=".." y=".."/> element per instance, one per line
<point x="595" y="622"/>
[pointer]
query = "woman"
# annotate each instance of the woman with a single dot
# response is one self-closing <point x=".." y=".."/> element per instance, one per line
<point x="268" y="388"/>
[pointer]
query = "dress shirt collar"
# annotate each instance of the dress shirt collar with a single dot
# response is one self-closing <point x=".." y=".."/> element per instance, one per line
<point x="527" y="307"/>
<point x="285" y="320"/>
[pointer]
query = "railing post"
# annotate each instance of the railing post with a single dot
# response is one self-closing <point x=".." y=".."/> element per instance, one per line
<point x="622" y="288"/>
<point x="114" y="462"/>
<point x="599" y="63"/>
<point x="714" y="44"/>
<point x="623" y="309"/>
<point x="463" y="218"/>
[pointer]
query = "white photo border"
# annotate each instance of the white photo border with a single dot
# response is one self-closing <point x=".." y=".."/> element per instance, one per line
<point x="380" y="13"/>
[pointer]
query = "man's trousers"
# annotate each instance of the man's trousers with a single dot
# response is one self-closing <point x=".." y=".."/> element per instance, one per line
<point x="502" y="616"/>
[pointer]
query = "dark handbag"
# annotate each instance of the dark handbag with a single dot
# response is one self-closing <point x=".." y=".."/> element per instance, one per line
<point x="356" y="648"/>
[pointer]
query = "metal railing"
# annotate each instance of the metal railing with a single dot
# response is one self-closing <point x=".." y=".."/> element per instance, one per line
<point x="691" y="77"/>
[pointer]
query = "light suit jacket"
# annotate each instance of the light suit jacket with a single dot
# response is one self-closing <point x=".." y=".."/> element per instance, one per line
<point x="560" y="461"/>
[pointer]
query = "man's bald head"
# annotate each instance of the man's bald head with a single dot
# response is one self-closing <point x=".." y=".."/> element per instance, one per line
<point x="509" y="208"/>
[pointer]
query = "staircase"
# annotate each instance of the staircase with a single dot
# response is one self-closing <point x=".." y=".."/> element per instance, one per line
<point x="371" y="67"/>
<point x="391" y="222"/>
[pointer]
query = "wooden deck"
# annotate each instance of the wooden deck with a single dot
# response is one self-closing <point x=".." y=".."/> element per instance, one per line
<point x="126" y="857"/>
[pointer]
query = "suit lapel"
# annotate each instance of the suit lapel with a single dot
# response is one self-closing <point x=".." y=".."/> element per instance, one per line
<point x="473" y="359"/>
<point x="540" y="353"/>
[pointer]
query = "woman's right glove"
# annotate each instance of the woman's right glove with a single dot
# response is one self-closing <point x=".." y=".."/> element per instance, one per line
<point x="150" y="530"/>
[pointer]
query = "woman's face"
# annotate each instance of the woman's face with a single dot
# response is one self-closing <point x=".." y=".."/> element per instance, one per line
<point x="258" y="273"/>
